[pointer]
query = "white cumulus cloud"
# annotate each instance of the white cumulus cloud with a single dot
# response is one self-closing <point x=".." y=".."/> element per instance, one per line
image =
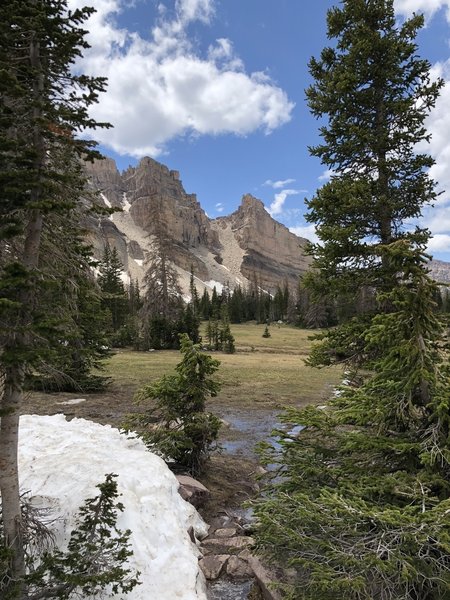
<point x="161" y="88"/>
<point x="427" y="7"/>
<point x="277" y="185"/>
<point x="437" y="219"/>
<point x="277" y="205"/>
<point x="306" y="231"/>
<point x="439" y="243"/>
<point x="326" y="175"/>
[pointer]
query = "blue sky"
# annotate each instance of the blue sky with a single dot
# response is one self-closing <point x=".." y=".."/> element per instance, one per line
<point x="215" y="90"/>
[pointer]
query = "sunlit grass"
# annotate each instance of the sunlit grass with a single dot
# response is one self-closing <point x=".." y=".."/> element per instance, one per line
<point x="267" y="371"/>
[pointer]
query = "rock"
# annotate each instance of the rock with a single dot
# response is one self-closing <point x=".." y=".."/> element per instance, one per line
<point x="223" y="545"/>
<point x="245" y="554"/>
<point x="264" y="579"/>
<point x="271" y="250"/>
<point x="226" y="532"/>
<point x="212" y="565"/>
<point x="192" y="490"/>
<point x="247" y="244"/>
<point x="238" y="568"/>
<point x="439" y="270"/>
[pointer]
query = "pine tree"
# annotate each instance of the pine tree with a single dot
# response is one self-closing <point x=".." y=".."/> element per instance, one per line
<point x="226" y="338"/>
<point x="176" y="424"/>
<point x="236" y="306"/>
<point x="195" y="300"/>
<point x="215" y="303"/>
<point x="205" y="305"/>
<point x="115" y="298"/>
<point x="113" y="290"/>
<point x="162" y="303"/>
<point x="360" y="507"/>
<point x="96" y="554"/>
<point x="43" y="106"/>
<point x="376" y="94"/>
<point x="190" y="323"/>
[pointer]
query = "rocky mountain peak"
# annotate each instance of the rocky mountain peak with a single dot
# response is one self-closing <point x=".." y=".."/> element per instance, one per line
<point x="250" y="204"/>
<point x="247" y="246"/>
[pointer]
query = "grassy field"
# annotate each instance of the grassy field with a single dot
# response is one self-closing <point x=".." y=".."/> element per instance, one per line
<point x="263" y="376"/>
<point x="268" y="371"/>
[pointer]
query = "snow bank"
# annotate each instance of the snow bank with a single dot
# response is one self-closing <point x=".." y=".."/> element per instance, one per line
<point x="105" y="200"/>
<point x="215" y="284"/>
<point x="125" y="204"/>
<point x="62" y="461"/>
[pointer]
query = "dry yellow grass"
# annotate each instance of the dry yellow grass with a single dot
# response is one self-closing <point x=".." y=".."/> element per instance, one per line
<point x="268" y="371"/>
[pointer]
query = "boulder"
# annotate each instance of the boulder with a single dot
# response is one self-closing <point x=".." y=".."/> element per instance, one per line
<point x="192" y="490"/>
<point x="264" y="579"/>
<point x="222" y="545"/>
<point x="226" y="532"/>
<point x="212" y="565"/>
<point x="238" y="568"/>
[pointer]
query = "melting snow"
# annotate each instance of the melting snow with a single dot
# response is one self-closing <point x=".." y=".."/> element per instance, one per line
<point x="105" y="200"/>
<point x="139" y="261"/>
<point x="125" y="277"/>
<point x="126" y="205"/>
<point x="74" y="401"/>
<point x="62" y="461"/>
<point x="211" y="283"/>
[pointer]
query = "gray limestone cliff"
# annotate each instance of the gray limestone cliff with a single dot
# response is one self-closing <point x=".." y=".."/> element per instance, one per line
<point x="271" y="252"/>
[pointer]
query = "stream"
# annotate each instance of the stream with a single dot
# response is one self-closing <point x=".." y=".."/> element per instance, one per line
<point x="243" y="429"/>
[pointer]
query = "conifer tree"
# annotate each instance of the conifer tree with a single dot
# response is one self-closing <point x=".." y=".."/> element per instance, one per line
<point x="176" y="424"/>
<point x="195" y="300"/>
<point x="114" y="296"/>
<point x="376" y="94"/>
<point x="236" y="306"/>
<point x="226" y="338"/>
<point x="96" y="554"/>
<point x="162" y="303"/>
<point x="43" y="106"/>
<point x="205" y="305"/>
<point x="361" y="508"/>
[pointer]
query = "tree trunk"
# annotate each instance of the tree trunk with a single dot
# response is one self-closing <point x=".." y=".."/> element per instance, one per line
<point x="9" y="475"/>
<point x="14" y="374"/>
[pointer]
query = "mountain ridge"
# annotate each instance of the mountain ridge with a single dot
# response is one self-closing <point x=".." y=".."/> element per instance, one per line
<point x="246" y="247"/>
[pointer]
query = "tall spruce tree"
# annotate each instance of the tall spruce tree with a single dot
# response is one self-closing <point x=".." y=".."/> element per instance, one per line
<point x="361" y="508"/>
<point x="43" y="105"/>
<point x="162" y="302"/>
<point x="114" y="296"/>
<point x="376" y="94"/>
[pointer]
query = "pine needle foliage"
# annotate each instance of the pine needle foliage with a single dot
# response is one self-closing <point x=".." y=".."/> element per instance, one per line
<point x="176" y="424"/>
<point x="95" y="559"/>
<point x="360" y="504"/>
<point x="376" y="94"/>
<point x="44" y="107"/>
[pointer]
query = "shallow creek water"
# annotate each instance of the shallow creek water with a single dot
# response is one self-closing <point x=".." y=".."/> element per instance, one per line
<point x="242" y="431"/>
<point x="246" y="428"/>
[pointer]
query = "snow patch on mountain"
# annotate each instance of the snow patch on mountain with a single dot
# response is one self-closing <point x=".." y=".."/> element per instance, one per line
<point x="105" y="200"/>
